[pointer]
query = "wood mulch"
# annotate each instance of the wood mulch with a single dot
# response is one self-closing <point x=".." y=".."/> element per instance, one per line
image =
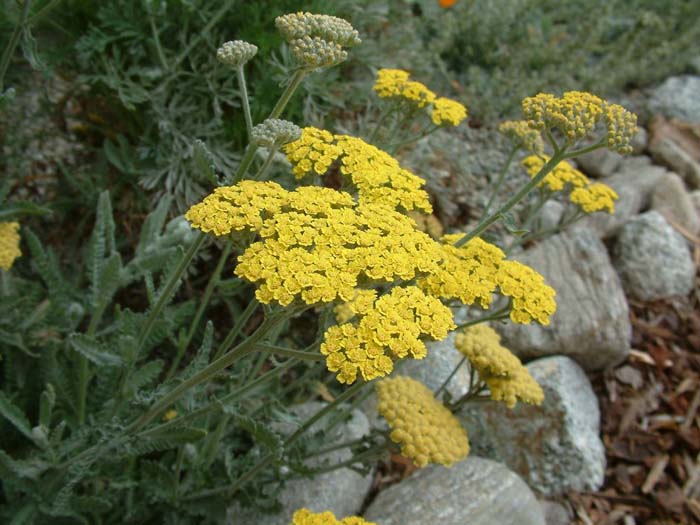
<point x="650" y="409"/>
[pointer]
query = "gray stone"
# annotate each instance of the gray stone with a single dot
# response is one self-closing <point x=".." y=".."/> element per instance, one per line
<point x="551" y="214"/>
<point x="695" y="199"/>
<point x="600" y="163"/>
<point x="340" y="491"/>
<point x="554" y="447"/>
<point x="475" y="491"/>
<point x="669" y="153"/>
<point x="555" y="513"/>
<point x="678" y="97"/>
<point x="640" y="141"/>
<point x="652" y="259"/>
<point x="591" y="324"/>
<point x="634" y="182"/>
<point x="671" y="199"/>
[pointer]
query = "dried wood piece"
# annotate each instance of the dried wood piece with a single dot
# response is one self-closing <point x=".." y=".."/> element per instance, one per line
<point x="655" y="474"/>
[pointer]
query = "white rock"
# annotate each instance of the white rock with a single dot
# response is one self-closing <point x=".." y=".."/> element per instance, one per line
<point x="475" y="491"/>
<point x="554" y="447"/>
<point x="653" y="259"/>
<point x="678" y="97"/>
<point x="634" y="182"/>
<point x="671" y="199"/>
<point x="591" y="324"/>
<point x="669" y="153"/>
<point x="600" y="163"/>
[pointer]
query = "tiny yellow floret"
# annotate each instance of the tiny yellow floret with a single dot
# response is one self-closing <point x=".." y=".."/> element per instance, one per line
<point x="508" y="380"/>
<point x="306" y="517"/>
<point x="170" y="415"/>
<point x="447" y="112"/>
<point x="9" y="244"/>
<point x="424" y="428"/>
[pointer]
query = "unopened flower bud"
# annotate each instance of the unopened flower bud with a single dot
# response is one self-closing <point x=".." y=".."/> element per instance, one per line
<point x="315" y="53"/>
<point x="330" y="28"/>
<point x="275" y="132"/>
<point x="236" y="53"/>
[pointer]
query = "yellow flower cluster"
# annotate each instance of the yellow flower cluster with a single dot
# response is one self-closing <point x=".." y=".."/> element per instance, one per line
<point x="377" y="176"/>
<point x="622" y="127"/>
<point x="361" y="303"/>
<point x="396" y="84"/>
<point x="9" y="244"/>
<point x="306" y="517"/>
<point x="590" y="197"/>
<point x="576" y="114"/>
<point x="426" y="431"/>
<point x="508" y="380"/>
<point x="447" y="112"/>
<point x="475" y="271"/>
<point x="595" y="197"/>
<point x="522" y="135"/>
<point x="389" y="329"/>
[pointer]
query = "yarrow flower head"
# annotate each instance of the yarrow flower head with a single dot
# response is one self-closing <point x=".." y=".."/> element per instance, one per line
<point x="390" y="328"/>
<point x="424" y="428"/>
<point x="306" y="517"/>
<point x="590" y="197"/>
<point x="478" y="269"/>
<point x="317" y="41"/>
<point x="9" y="244"/>
<point x="330" y="28"/>
<point x="447" y="112"/>
<point x="576" y="114"/>
<point x="508" y="380"/>
<point x="236" y="53"/>
<point x="274" y="132"/>
<point x="622" y="127"/>
<point x="522" y="135"/>
<point x="377" y="176"/>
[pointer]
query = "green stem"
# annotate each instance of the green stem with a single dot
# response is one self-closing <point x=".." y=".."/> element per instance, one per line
<point x="501" y="178"/>
<point x="212" y="447"/>
<point x="219" y="404"/>
<point x="294" y="83"/>
<point x="493" y="316"/>
<point x="12" y="44"/>
<point x="243" y="89"/>
<point x="245" y="348"/>
<point x="211" y="285"/>
<point x="83" y="370"/>
<point x="156" y="310"/>
<point x="388" y="110"/>
<point x="288" y="352"/>
<point x="178" y="470"/>
<point x="266" y="164"/>
<point x="237" y="328"/>
<point x="36" y="17"/>
<point x="423" y="134"/>
<point x="339" y="446"/>
<point x="247" y="159"/>
<point x="583" y="151"/>
<point x="270" y="457"/>
<point x="488" y="221"/>
<point x="446" y="382"/>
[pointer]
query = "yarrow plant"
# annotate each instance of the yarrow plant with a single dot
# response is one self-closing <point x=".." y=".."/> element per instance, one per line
<point x="331" y="243"/>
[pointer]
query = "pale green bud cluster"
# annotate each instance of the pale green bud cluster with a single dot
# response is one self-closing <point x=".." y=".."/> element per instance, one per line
<point x="330" y="28"/>
<point x="314" y="53"/>
<point x="317" y="41"/>
<point x="274" y="132"/>
<point x="236" y="53"/>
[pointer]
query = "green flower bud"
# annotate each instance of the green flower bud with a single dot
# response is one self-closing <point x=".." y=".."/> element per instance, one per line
<point x="275" y="132"/>
<point x="330" y="28"/>
<point x="315" y="53"/>
<point x="236" y="53"/>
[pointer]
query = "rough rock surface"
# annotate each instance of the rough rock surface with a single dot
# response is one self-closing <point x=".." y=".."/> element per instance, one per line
<point x="554" y="447"/>
<point x="551" y="214"/>
<point x="341" y="491"/>
<point x="634" y="183"/>
<point x="672" y="200"/>
<point x="591" y="324"/>
<point x="678" y="97"/>
<point x="599" y="163"/>
<point x="475" y="491"/>
<point x="652" y="259"/>
<point x="555" y="513"/>
<point x="667" y="152"/>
